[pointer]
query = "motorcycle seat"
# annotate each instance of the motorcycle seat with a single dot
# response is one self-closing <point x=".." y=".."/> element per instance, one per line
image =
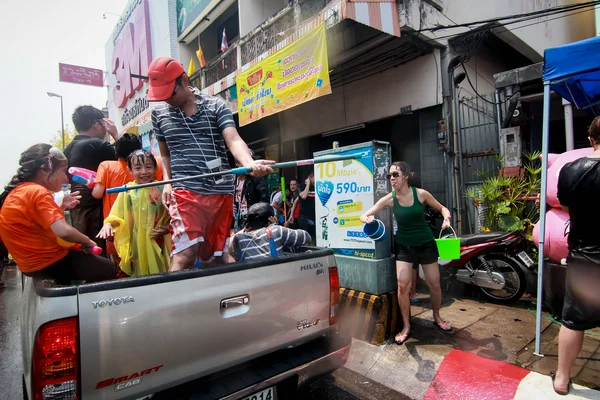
<point x="478" y="238"/>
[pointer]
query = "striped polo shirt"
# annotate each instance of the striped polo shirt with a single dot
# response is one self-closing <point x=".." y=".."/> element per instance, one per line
<point x="196" y="140"/>
<point x="248" y="246"/>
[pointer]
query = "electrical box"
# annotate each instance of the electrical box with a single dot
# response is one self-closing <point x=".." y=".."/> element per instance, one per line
<point x="510" y="146"/>
<point x="442" y="134"/>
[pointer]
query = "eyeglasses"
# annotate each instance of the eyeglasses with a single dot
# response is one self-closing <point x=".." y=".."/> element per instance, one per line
<point x="394" y="174"/>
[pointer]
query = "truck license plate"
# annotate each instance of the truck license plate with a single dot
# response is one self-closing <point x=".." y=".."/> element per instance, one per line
<point x="267" y="394"/>
<point x="525" y="258"/>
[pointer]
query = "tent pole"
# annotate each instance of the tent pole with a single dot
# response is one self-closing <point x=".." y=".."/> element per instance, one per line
<point x="542" y="234"/>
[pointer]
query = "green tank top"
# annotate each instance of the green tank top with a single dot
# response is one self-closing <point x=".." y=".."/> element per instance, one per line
<point x="412" y="228"/>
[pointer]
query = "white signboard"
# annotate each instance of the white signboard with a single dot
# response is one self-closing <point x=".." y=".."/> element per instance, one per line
<point x="344" y="192"/>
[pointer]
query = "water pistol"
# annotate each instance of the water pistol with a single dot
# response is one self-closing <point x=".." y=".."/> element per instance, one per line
<point x="79" y="247"/>
<point x="90" y="249"/>
<point x="83" y="176"/>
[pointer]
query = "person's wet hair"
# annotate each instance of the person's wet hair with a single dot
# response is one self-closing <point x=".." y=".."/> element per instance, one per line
<point x="258" y="216"/>
<point x="404" y="168"/>
<point x="140" y="156"/>
<point x="127" y="144"/>
<point x="594" y="131"/>
<point x="39" y="156"/>
<point x="86" y="116"/>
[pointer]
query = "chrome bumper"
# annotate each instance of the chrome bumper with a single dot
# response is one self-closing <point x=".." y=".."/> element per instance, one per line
<point x="306" y="372"/>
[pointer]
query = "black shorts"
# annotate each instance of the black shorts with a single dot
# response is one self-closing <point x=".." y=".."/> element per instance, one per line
<point x="581" y="309"/>
<point x="425" y="254"/>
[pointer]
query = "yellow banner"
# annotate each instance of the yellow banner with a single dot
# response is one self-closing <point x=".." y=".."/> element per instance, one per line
<point x="294" y="75"/>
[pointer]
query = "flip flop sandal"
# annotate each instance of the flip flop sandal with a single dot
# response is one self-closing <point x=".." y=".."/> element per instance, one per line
<point x="415" y="301"/>
<point x="441" y="325"/>
<point x="560" y="392"/>
<point x="401" y="342"/>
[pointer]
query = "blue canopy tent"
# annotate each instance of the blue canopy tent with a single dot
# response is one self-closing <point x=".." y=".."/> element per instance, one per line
<point x="572" y="71"/>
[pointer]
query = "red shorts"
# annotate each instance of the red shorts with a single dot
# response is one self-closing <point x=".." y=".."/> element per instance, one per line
<point x="204" y="219"/>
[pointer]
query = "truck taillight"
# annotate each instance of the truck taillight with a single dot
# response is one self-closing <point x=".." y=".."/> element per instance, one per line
<point x="334" y="294"/>
<point x="56" y="361"/>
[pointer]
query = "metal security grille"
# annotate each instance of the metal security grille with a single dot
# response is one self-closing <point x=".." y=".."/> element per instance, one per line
<point x="480" y="145"/>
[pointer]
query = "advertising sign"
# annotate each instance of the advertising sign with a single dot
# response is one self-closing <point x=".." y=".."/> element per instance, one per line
<point x="344" y="191"/>
<point x="188" y="12"/>
<point x="230" y="97"/>
<point x="82" y="75"/>
<point x="294" y="75"/>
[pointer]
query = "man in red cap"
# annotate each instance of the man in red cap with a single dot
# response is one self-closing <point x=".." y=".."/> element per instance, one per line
<point x="193" y="132"/>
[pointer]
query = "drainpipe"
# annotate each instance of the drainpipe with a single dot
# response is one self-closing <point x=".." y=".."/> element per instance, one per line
<point x="570" y="140"/>
<point x="456" y="148"/>
<point x="498" y="111"/>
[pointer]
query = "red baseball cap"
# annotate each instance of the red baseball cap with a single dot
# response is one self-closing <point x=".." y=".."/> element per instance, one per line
<point x="162" y="73"/>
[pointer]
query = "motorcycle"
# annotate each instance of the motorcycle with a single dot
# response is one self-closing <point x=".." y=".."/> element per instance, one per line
<point x="495" y="262"/>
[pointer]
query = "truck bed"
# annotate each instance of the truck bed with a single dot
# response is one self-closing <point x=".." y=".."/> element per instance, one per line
<point x="204" y="333"/>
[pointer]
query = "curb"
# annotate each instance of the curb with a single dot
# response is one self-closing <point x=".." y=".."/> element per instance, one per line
<point x="439" y="372"/>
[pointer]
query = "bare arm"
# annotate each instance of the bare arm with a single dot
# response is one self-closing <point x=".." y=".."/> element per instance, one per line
<point x="431" y="201"/>
<point x="240" y="151"/>
<point x="294" y="205"/>
<point x="369" y="215"/>
<point x="70" y="234"/>
<point x="98" y="191"/>
<point x="304" y="193"/>
<point x="165" y="157"/>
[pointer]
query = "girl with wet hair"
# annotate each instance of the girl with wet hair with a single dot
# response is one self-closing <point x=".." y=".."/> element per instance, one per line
<point x="34" y="229"/>
<point x="260" y="239"/>
<point x="414" y="244"/>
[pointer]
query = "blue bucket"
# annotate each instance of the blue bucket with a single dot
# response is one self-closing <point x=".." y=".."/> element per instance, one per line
<point x="375" y="230"/>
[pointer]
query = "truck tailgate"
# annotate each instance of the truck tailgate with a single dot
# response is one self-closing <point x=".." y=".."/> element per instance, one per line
<point x="139" y="336"/>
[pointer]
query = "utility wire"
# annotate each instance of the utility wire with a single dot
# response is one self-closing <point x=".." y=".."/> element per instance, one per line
<point x="534" y="14"/>
<point x="480" y="29"/>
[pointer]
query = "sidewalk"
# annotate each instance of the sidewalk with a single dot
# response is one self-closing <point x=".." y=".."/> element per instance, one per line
<point x="489" y="355"/>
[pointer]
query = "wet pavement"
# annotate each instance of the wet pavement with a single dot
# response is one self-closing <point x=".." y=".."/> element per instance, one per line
<point x="11" y="368"/>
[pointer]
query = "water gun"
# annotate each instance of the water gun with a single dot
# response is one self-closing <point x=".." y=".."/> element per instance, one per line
<point x="79" y="247"/>
<point x="83" y="176"/>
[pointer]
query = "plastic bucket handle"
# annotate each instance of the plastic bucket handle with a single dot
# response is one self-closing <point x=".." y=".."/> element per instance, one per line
<point x="451" y="228"/>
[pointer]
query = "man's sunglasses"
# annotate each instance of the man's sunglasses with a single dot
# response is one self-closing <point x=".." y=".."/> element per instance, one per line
<point x="394" y="174"/>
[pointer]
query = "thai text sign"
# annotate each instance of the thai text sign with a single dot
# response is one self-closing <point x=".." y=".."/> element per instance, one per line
<point x="294" y="75"/>
<point x="82" y="75"/>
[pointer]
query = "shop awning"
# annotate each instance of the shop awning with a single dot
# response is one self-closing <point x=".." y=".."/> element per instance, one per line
<point x="573" y="72"/>
<point x="378" y="14"/>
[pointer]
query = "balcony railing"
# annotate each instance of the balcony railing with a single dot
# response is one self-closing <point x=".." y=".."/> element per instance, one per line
<point x="223" y="65"/>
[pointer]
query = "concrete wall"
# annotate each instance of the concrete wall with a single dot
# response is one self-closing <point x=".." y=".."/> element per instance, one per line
<point x="531" y="40"/>
<point x="481" y="69"/>
<point x="416" y="83"/>
<point x="254" y="12"/>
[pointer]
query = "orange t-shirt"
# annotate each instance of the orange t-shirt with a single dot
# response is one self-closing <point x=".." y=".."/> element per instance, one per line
<point x="116" y="173"/>
<point x="112" y="174"/>
<point x="25" y="219"/>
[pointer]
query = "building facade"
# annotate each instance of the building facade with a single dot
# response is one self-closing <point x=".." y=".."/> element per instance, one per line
<point x="393" y="79"/>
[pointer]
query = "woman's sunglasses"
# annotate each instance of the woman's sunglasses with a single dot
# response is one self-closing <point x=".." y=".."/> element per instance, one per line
<point x="394" y="174"/>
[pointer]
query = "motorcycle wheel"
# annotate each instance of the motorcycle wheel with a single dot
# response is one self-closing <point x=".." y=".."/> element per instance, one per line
<point x="516" y="281"/>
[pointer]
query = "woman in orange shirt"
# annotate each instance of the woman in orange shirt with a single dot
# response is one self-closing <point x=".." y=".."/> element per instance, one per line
<point x="31" y="222"/>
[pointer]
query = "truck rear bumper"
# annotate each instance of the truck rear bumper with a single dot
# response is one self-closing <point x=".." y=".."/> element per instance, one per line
<point x="285" y="368"/>
<point x="305" y="373"/>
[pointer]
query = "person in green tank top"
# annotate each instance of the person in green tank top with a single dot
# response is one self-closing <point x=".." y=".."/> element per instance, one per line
<point x="414" y="242"/>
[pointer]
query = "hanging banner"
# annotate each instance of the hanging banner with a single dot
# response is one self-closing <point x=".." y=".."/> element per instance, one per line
<point x="294" y="75"/>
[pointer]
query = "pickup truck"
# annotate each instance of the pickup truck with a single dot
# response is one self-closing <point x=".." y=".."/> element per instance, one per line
<point x="251" y="330"/>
